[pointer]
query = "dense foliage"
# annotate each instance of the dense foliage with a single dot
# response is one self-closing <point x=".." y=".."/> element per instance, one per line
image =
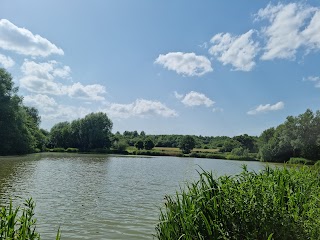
<point x="296" y="137"/>
<point x="272" y="204"/>
<point x="88" y="133"/>
<point x="187" y="143"/>
<point x="19" y="125"/>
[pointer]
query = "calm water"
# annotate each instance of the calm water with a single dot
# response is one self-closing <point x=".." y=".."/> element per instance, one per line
<point x="100" y="197"/>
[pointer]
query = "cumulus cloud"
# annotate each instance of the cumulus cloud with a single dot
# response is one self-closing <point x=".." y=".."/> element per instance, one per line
<point x="239" y="51"/>
<point x="42" y="102"/>
<point x="65" y="113"/>
<point x="266" y="108"/>
<point x="187" y="64"/>
<point x="23" y="41"/>
<point x="6" y="62"/>
<point x="87" y="92"/>
<point x="195" y="99"/>
<point x="291" y="26"/>
<point x="139" y="108"/>
<point x="42" y="78"/>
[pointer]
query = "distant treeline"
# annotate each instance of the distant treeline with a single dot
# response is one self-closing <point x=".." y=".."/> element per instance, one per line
<point x="297" y="137"/>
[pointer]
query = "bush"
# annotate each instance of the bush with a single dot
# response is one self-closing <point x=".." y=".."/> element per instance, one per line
<point x="72" y="150"/>
<point x="300" y="161"/>
<point x="272" y="204"/>
<point x="57" y="150"/>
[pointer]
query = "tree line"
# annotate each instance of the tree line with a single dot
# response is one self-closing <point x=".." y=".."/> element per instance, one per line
<point x="20" y="134"/>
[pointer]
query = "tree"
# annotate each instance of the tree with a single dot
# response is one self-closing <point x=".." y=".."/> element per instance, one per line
<point x="187" y="144"/>
<point x="139" y="144"/>
<point x="19" y="125"/>
<point x="95" y="131"/>
<point x="60" y="135"/>
<point x="230" y="144"/>
<point x="120" y="145"/>
<point x="148" y="144"/>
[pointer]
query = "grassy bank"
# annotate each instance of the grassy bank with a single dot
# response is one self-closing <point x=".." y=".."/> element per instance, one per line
<point x="272" y="204"/>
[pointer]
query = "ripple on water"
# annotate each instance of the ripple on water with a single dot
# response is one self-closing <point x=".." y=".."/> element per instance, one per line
<point x="100" y="197"/>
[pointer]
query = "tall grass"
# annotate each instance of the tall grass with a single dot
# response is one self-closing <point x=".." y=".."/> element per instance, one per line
<point x="272" y="204"/>
<point x="19" y="223"/>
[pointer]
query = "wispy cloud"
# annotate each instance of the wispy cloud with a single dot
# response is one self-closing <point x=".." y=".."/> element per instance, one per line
<point x="239" y="51"/>
<point x="266" y="108"/>
<point x="23" y="41"/>
<point x="187" y="64"/>
<point x="315" y="79"/>
<point x="194" y="99"/>
<point x="6" y="62"/>
<point x="139" y="108"/>
<point x="291" y="26"/>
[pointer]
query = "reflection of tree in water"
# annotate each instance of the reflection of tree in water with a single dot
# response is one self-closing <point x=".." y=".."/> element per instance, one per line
<point x="14" y="172"/>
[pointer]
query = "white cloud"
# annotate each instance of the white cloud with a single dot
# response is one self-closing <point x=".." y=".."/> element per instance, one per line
<point x="266" y="108"/>
<point x="239" y="51"/>
<point x="177" y="95"/>
<point x="187" y="64"/>
<point x="87" y="92"/>
<point x="22" y="41"/>
<point x="42" y="102"/>
<point x="290" y="28"/>
<point x="312" y="32"/>
<point x="45" y="70"/>
<point x="41" y="78"/>
<point x="65" y="113"/>
<point x="139" y="108"/>
<point x="6" y="62"/>
<point x="315" y="79"/>
<point x="196" y="99"/>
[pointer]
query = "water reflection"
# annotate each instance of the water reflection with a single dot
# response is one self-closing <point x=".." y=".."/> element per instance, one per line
<point x="99" y="196"/>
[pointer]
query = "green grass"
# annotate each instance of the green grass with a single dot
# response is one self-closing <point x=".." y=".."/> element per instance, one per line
<point x="279" y="204"/>
<point x="19" y="223"/>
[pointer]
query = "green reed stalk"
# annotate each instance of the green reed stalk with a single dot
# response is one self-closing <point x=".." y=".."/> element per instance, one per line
<point x="272" y="204"/>
<point x="21" y="227"/>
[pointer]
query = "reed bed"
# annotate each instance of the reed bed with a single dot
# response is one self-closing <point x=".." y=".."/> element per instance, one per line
<point x="281" y="203"/>
<point x="19" y="223"/>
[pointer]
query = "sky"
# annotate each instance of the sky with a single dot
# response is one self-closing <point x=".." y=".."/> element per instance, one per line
<point x="207" y="67"/>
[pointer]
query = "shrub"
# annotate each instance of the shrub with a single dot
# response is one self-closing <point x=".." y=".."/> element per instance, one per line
<point x="57" y="150"/>
<point x="72" y="150"/>
<point x="300" y="161"/>
<point x="272" y="204"/>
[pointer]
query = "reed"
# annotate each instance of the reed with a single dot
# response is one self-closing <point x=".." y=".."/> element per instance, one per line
<point x="19" y="223"/>
<point x="272" y="204"/>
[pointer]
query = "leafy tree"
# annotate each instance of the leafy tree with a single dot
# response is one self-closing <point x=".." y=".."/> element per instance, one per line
<point x="139" y="144"/>
<point x="142" y="134"/>
<point x="95" y="131"/>
<point x="148" y="144"/>
<point x="230" y="144"/>
<point x="120" y="145"/>
<point x="60" y="135"/>
<point x="19" y="125"/>
<point x="247" y="142"/>
<point x="187" y="144"/>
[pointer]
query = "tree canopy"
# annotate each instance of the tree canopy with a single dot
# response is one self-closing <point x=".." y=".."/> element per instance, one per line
<point x="19" y="124"/>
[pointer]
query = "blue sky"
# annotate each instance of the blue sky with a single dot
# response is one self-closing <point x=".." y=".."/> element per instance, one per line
<point x="166" y="67"/>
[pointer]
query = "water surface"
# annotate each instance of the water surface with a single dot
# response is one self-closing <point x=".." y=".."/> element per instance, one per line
<point x="100" y="196"/>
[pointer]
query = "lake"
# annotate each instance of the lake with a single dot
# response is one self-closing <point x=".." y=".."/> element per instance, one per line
<point x="101" y="196"/>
